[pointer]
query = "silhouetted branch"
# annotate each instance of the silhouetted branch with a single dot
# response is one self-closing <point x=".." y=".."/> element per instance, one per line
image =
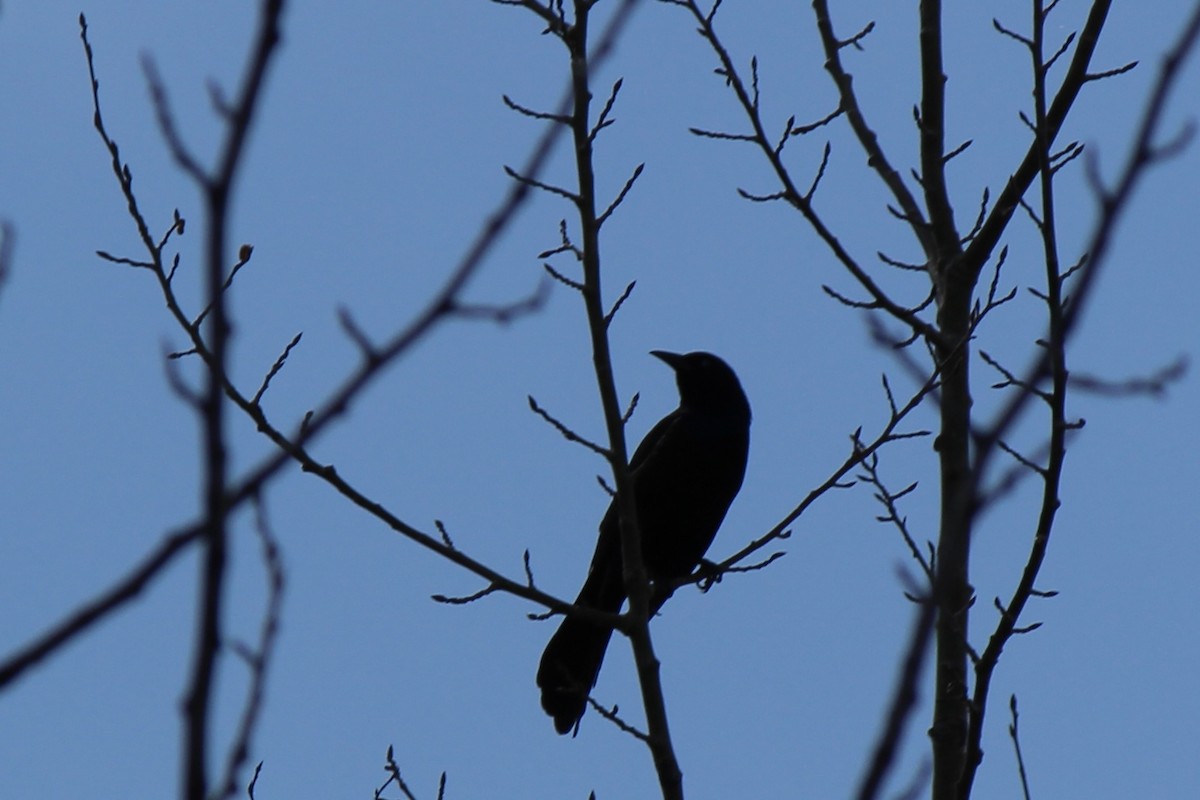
<point x="867" y="138"/>
<point x="566" y="247"/>
<point x="243" y="258"/>
<point x="1141" y="156"/>
<point x="393" y="769"/>
<point x="166" y="123"/>
<point x="993" y="302"/>
<point x="529" y="112"/>
<point x="537" y="184"/>
<point x="8" y="238"/>
<point x="903" y="703"/>
<point x="983" y="206"/>
<point x="504" y="313"/>
<point x="120" y="168"/>
<point x="801" y="130"/>
<point x="217" y="188"/>
<point x="957" y="151"/>
<point x="461" y="600"/>
<point x="1016" y="740"/>
<point x="563" y="279"/>
<point x="888" y="500"/>
<point x="612" y="716"/>
<point x="602" y="122"/>
<point x="445" y="534"/>
<point x="800" y="200"/>
<point x="291" y="448"/>
<point x="1050" y="361"/>
<point x="620" y="196"/>
<point x="568" y="433"/>
<point x="708" y="574"/>
<point x="858" y="452"/>
<point x="583" y="132"/>
<point x="100" y="607"/>
<point x="731" y="137"/>
<point x="608" y="318"/>
<point x="997" y="221"/>
<point x="254" y="780"/>
<point x="257" y="660"/>
<point x="275" y="368"/>
<point x="904" y="265"/>
<point x="1155" y="384"/>
<point x="366" y="348"/>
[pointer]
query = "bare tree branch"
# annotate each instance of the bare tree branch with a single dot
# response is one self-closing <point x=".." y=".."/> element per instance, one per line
<point x="124" y="590"/>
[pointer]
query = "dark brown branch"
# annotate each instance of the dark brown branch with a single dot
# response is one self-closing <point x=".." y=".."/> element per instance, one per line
<point x="1154" y="384"/>
<point x="366" y="348"/>
<point x="391" y="767"/>
<point x="603" y="120"/>
<point x="904" y="265"/>
<point x="120" y="169"/>
<point x="983" y="206"/>
<point x="7" y="238"/>
<point x="537" y="184"/>
<point x="611" y="714"/>
<point x="982" y="245"/>
<point x="763" y="198"/>
<point x="621" y="195"/>
<point x="634" y="574"/>
<point x="1016" y="740"/>
<point x="732" y="137"/>
<point x="243" y="258"/>
<point x="565" y="247"/>
<point x="866" y="136"/>
<point x="166" y="124"/>
<point x="836" y="479"/>
<point x="1113" y="202"/>
<point x="957" y="151"/>
<point x="198" y="705"/>
<point x="789" y="191"/>
<point x="550" y="12"/>
<point x="563" y="279"/>
<point x="812" y="126"/>
<point x="529" y="112"/>
<point x="888" y="500"/>
<point x="108" y="601"/>
<point x="608" y="318"/>
<point x="292" y="448"/>
<point x="904" y="701"/>
<point x="1109" y="73"/>
<point x="504" y="313"/>
<point x="445" y="534"/>
<point x="275" y="368"/>
<point x="254" y="780"/>
<point x="933" y="136"/>
<point x="568" y="434"/>
<point x="257" y="660"/>
<point x="460" y="600"/>
<point x="315" y="421"/>
<point x="1050" y="362"/>
<point x="633" y="401"/>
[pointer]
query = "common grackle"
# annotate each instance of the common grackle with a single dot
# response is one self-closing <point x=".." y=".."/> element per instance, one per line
<point x="685" y="474"/>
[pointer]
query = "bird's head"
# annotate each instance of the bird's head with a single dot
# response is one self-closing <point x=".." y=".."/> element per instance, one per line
<point x="706" y="383"/>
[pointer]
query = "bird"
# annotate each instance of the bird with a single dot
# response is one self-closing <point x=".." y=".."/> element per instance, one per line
<point x="685" y="474"/>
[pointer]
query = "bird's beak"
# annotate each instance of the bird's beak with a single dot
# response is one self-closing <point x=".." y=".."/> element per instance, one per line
<point x="673" y="360"/>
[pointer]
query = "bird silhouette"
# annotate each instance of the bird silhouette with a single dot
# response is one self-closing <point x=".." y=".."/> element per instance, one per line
<point x="685" y="474"/>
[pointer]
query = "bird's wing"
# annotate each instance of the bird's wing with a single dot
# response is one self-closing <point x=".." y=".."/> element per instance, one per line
<point x="605" y="586"/>
<point x="653" y="439"/>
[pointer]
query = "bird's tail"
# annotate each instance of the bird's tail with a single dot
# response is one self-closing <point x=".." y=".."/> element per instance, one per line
<point x="572" y="659"/>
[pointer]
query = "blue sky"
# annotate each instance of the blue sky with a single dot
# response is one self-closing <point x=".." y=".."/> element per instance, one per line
<point x="378" y="154"/>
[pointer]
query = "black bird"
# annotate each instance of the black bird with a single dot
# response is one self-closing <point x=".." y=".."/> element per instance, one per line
<point x="685" y="474"/>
